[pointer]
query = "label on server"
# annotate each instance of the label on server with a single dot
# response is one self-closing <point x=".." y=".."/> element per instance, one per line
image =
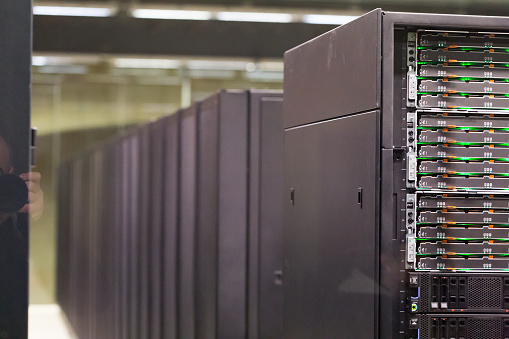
<point x="467" y="87"/>
<point x="463" y="122"/>
<point x="482" y="57"/>
<point x="485" y="137"/>
<point x="463" y="218"/>
<point x="472" y="183"/>
<point x="464" y="168"/>
<point x="485" y="248"/>
<point x="463" y="102"/>
<point x="463" y="233"/>
<point x="463" y="72"/>
<point x="463" y="153"/>
<point x="455" y="40"/>
<point x="484" y="202"/>
<point x="463" y="264"/>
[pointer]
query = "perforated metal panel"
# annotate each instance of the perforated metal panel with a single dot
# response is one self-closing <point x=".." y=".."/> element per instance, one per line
<point x="484" y="328"/>
<point x="484" y="292"/>
<point x="424" y="328"/>
<point x="425" y="303"/>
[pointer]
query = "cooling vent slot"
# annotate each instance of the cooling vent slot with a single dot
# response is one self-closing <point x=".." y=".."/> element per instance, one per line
<point x="484" y="292"/>
<point x="484" y="328"/>
<point x="424" y="326"/>
<point x="424" y="302"/>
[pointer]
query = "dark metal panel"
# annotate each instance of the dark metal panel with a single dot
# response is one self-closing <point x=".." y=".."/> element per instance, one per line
<point x="144" y="238"/>
<point x="156" y="169"/>
<point x="63" y="236"/>
<point x="271" y="218"/>
<point x="107" y="240"/>
<point x="170" y="224"/>
<point x="15" y="63"/>
<point x="116" y="175"/>
<point x="92" y="248"/>
<point x="79" y="273"/>
<point x="330" y="234"/>
<point x="207" y="219"/>
<point x="340" y="69"/>
<point x="126" y="35"/>
<point x="265" y="163"/>
<point x="134" y="202"/>
<point x="187" y="224"/>
<point x="125" y="184"/>
<point x="232" y="238"/>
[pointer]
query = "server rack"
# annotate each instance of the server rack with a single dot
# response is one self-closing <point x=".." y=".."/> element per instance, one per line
<point x="395" y="171"/>
<point x="237" y="237"/>
<point x="174" y="230"/>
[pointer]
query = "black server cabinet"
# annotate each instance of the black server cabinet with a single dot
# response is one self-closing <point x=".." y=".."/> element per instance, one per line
<point x="265" y="215"/>
<point x="171" y="140"/>
<point x="174" y="230"/>
<point x="396" y="152"/>
<point x="238" y="230"/>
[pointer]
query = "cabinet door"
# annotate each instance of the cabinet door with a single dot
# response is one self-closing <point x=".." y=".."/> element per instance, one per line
<point x="330" y="232"/>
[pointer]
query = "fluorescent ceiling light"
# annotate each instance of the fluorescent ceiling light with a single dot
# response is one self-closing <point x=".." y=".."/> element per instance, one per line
<point x="171" y="14"/>
<point x="216" y="64"/>
<point x="327" y="19"/>
<point x="39" y="61"/>
<point x="254" y="17"/>
<point x="73" y="11"/>
<point x="146" y="63"/>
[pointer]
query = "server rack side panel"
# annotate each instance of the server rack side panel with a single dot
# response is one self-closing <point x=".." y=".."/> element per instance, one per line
<point x="133" y="215"/>
<point x="123" y="233"/>
<point x="338" y="69"/>
<point x="187" y="223"/>
<point x="271" y="218"/>
<point x="97" y="257"/>
<point x="207" y="219"/>
<point x="261" y="272"/>
<point x="232" y="214"/>
<point x="63" y="235"/>
<point x="170" y="225"/>
<point x="143" y="232"/>
<point x="156" y="211"/>
<point x="330" y="236"/>
<point x="109" y="242"/>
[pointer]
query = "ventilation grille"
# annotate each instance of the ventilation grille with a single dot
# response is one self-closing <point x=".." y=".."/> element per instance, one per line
<point x="484" y="328"/>
<point x="484" y="292"/>
<point x="424" y="327"/>
<point x="424" y="302"/>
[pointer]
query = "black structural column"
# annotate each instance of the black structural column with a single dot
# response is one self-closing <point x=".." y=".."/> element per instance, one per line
<point x="15" y="63"/>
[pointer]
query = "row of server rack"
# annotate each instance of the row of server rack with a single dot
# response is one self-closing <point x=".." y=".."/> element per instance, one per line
<point x="395" y="198"/>
<point x="174" y="230"/>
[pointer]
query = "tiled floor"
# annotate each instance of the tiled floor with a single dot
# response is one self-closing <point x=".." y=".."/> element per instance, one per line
<point x="46" y="321"/>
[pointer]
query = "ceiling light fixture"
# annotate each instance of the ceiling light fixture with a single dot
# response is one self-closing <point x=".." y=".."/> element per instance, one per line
<point x="146" y="63"/>
<point x="73" y="11"/>
<point x="171" y="14"/>
<point x="254" y="17"/>
<point x="327" y="19"/>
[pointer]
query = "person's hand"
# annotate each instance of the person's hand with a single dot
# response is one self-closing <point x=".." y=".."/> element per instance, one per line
<point x="35" y="204"/>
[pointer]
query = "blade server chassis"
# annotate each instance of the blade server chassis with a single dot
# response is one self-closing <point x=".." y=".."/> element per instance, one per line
<point x="397" y="166"/>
